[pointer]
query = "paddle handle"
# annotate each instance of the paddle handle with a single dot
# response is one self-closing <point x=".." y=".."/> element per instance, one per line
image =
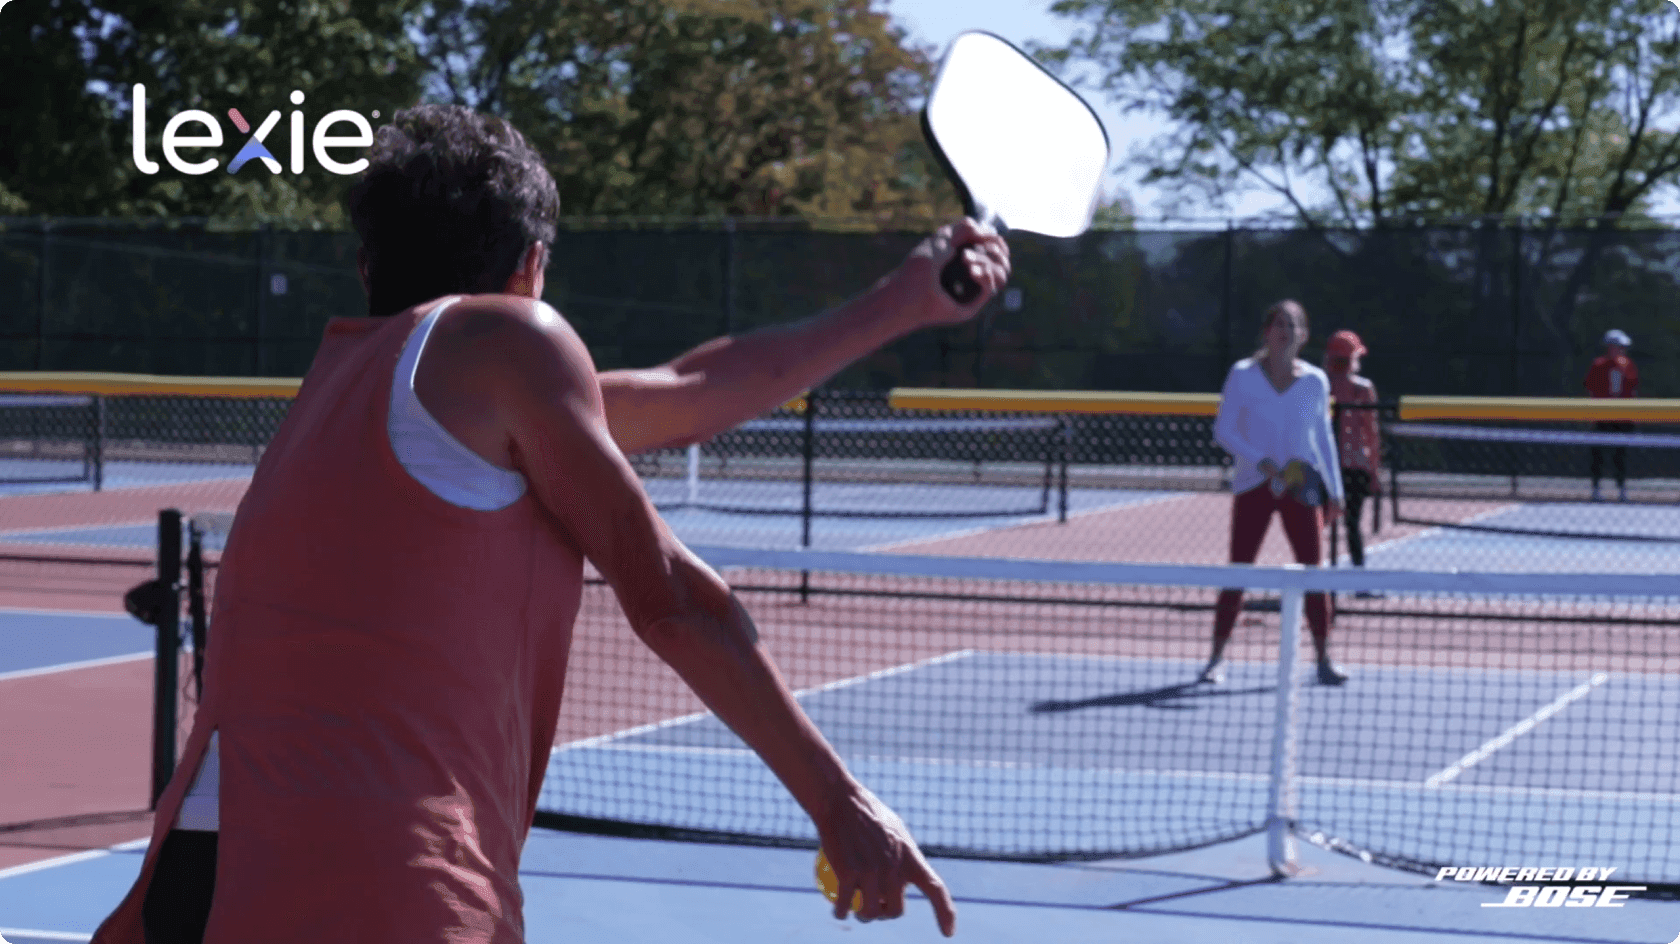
<point x="956" y="280"/>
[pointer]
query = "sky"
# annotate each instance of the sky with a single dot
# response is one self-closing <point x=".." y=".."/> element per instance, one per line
<point x="937" y="22"/>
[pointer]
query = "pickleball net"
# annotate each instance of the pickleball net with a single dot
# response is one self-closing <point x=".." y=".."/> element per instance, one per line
<point x="1041" y="710"/>
<point x="1548" y="473"/>
<point x="850" y="455"/>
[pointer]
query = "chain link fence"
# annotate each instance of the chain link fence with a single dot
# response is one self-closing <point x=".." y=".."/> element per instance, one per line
<point x="1448" y="310"/>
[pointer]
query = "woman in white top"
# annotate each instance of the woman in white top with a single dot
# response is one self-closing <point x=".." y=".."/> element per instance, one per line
<point x="1274" y="419"/>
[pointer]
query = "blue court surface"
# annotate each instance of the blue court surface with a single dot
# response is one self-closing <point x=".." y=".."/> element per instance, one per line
<point x="584" y="888"/>
<point x="701" y="526"/>
<point x="37" y="477"/>
<point x="32" y="641"/>
<point x="1033" y="753"/>
<point x="1627" y="539"/>
<point x="997" y="731"/>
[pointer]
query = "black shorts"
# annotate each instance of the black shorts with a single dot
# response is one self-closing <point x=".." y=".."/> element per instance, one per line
<point x="177" y="904"/>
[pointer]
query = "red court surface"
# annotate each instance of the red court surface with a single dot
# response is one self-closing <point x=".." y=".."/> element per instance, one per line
<point x="75" y="760"/>
<point x="1193" y="528"/>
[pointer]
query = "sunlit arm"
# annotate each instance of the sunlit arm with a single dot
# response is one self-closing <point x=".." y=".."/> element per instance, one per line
<point x="730" y="380"/>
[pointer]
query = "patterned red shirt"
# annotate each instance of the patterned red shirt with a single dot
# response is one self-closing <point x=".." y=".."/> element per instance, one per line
<point x="1356" y="431"/>
<point x="1613" y="377"/>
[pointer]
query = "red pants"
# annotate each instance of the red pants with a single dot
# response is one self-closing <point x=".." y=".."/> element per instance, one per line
<point x="1251" y="515"/>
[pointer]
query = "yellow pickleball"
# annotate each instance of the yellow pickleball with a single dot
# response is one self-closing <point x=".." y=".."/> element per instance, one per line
<point x="830" y="883"/>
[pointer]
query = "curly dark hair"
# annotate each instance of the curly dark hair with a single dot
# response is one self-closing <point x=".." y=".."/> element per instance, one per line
<point x="449" y="202"/>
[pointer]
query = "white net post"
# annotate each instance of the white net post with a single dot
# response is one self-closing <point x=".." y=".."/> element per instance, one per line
<point x="693" y="473"/>
<point x="1281" y="797"/>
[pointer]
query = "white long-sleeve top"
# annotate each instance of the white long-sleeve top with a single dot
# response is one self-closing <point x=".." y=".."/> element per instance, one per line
<point x="1257" y="422"/>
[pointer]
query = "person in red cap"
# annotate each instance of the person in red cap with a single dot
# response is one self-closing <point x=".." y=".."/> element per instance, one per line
<point x="1613" y="375"/>
<point x="1357" y="439"/>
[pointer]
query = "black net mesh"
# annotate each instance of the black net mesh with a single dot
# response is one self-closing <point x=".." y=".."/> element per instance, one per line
<point x="1468" y="310"/>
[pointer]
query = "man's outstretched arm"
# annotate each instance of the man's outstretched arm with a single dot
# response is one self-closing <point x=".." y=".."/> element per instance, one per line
<point x="730" y="380"/>
<point x="548" y="402"/>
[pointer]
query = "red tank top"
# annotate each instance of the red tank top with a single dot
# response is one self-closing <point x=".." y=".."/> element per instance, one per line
<point x="386" y="673"/>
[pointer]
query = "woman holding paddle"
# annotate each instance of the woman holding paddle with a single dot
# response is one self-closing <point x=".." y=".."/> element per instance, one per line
<point x="1274" y="420"/>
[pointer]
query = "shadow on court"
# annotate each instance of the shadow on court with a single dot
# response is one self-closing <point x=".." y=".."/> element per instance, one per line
<point x="1181" y="697"/>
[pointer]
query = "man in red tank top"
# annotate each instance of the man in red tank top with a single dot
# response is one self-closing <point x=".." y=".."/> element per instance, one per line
<point x="383" y="793"/>
<point x="1610" y="376"/>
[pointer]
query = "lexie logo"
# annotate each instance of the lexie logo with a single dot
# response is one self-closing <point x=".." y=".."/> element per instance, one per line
<point x="254" y="149"/>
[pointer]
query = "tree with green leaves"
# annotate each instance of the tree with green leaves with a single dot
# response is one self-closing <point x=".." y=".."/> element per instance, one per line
<point x="1388" y="111"/>
<point x="701" y="107"/>
<point x="68" y="68"/>
<point x="674" y="108"/>
<point x="1382" y="113"/>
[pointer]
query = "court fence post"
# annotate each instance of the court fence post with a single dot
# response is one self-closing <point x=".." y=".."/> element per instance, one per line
<point x="693" y="474"/>
<point x="810" y="452"/>
<point x="166" y="674"/>
<point x="1281" y="794"/>
<point x="96" y="448"/>
<point x="1066" y="436"/>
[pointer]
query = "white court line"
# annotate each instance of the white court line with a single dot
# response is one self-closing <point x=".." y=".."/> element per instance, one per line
<point x="1034" y="519"/>
<point x="1402" y="786"/>
<point x="1517" y="730"/>
<point x="72" y="666"/>
<point x="1428" y="532"/>
<point x="72" y="528"/>
<point x="600" y="739"/>
<point x="43" y="611"/>
<point x="73" y="858"/>
<point x="43" y="935"/>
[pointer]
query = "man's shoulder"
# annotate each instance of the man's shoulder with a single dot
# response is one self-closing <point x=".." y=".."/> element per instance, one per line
<point x="496" y="337"/>
<point x="489" y="310"/>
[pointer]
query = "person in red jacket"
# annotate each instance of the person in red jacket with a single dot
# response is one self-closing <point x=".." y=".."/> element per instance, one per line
<point x="1613" y="375"/>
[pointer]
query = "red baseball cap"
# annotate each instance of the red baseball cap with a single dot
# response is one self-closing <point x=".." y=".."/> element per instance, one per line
<point x="1344" y="344"/>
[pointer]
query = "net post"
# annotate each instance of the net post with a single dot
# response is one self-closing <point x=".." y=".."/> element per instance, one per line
<point x="166" y="669"/>
<point x="41" y="296"/>
<point x="1280" y="822"/>
<point x="693" y="473"/>
<point x="199" y="624"/>
<point x="97" y="446"/>
<point x="1066" y="436"/>
<point x="810" y="450"/>
<point x="1336" y="412"/>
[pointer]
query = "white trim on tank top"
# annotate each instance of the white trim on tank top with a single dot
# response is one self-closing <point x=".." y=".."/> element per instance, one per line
<point x="437" y="460"/>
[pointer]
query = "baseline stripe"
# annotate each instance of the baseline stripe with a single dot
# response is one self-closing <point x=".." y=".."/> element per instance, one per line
<point x="72" y="666"/>
<point x="1517" y="730"/>
<point x="24" y="934"/>
<point x="601" y="739"/>
<point x="73" y="858"/>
